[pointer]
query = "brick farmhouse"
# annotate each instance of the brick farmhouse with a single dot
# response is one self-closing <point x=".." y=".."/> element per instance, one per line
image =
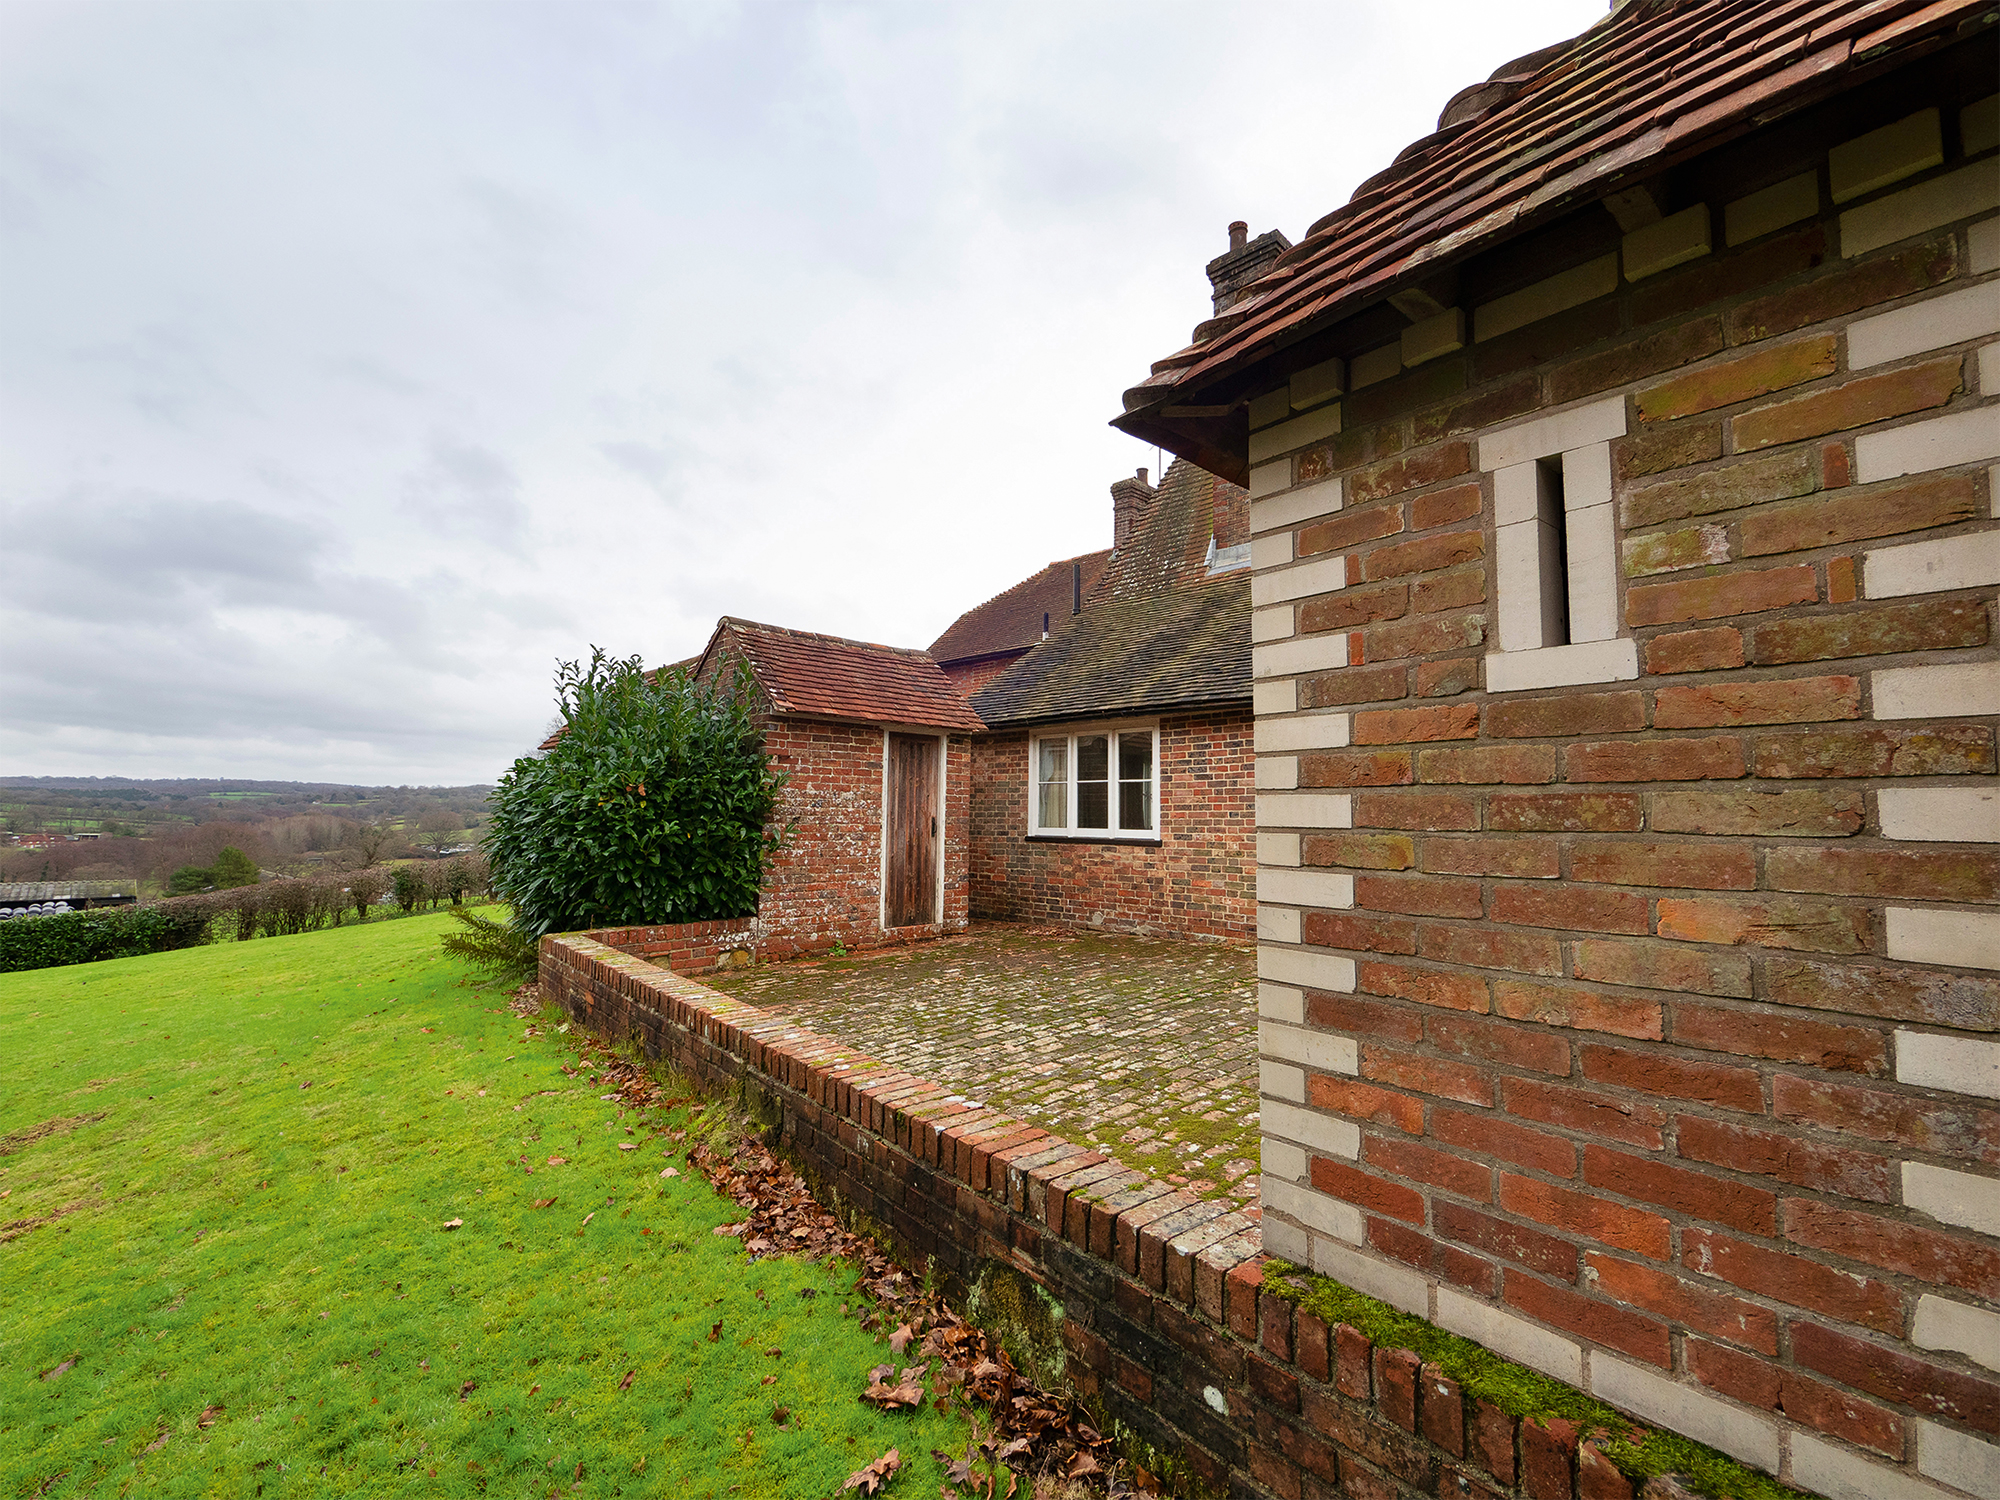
<point x="1622" y="476"/>
<point x="1112" y="787"/>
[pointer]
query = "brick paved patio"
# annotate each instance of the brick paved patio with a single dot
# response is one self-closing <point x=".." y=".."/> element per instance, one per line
<point x="1142" y="1048"/>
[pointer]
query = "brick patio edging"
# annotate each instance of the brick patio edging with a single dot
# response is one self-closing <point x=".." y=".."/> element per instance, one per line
<point x="1165" y="1319"/>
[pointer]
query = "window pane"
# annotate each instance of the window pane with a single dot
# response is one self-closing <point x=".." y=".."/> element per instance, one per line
<point x="1052" y="810"/>
<point x="1052" y="778"/>
<point x="1135" y="782"/>
<point x="1093" y="804"/>
<point x="1093" y="773"/>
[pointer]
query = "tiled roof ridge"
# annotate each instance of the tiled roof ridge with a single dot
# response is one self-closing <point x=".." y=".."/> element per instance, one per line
<point x="820" y="637"/>
<point x="816" y="675"/>
<point x="1084" y="559"/>
<point x="1737" y="63"/>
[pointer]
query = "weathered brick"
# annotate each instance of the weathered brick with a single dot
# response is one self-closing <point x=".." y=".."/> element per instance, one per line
<point x="1513" y="1143"/>
<point x="1899" y="993"/>
<point x="1492" y="1441"/>
<point x="1673" y="551"/>
<point x="1598" y="1478"/>
<point x="1699" y="1195"/>
<point x="1495" y="403"/>
<point x="1586" y="1214"/>
<point x="1354" y="1375"/>
<point x="1718" y="278"/>
<point x="1673" y="447"/>
<point x="1442" y="507"/>
<point x="1570" y="714"/>
<point x="1582" y="1010"/>
<point x="1360" y="851"/>
<point x="1684" y="1302"/>
<point x="1365" y="1190"/>
<point x="1526" y="858"/>
<point x="1489" y="765"/>
<point x="1921" y="750"/>
<point x="1426" y="636"/>
<point x="1739" y="379"/>
<point x="1354" y="685"/>
<point x="1880" y="510"/>
<point x="1399" y="726"/>
<point x="1425" y="555"/>
<point x="1350" y="607"/>
<point x="1841" y="587"/>
<point x="1571" y="909"/>
<point x="1312" y="1345"/>
<point x="1419" y="895"/>
<point x="1427" y="986"/>
<point x="1442" y="1411"/>
<point x="1440" y="1169"/>
<point x="1445" y="679"/>
<point x="1674" y="1077"/>
<point x="1359" y="444"/>
<point x="1427" y="1075"/>
<point x="1864" y="399"/>
<point x="1358" y="933"/>
<point x="1355" y="768"/>
<point x="1564" y="812"/>
<point x="1488" y="948"/>
<point x="1792" y="700"/>
<point x="1364" y="1101"/>
<point x="1895" y="1376"/>
<point x="1922" y="874"/>
<point x="1588" y="1112"/>
<point x="1666" y="350"/>
<point x="1548" y="1456"/>
<point x="1788" y="1038"/>
<point x="1409" y="471"/>
<point x="1674" y="863"/>
<point x="1454" y="588"/>
<point x="1717" y="758"/>
<point x="1349" y="528"/>
<point x="1944" y="1127"/>
<point x="1794" y="1279"/>
<point x="1908" y="1249"/>
<point x="1660" y="966"/>
<point x="1789" y="1158"/>
<point x="1717" y="598"/>
<point x="1771" y="922"/>
<point x="1880" y="630"/>
<point x="1844" y="290"/>
<point x="1528" y="1048"/>
<point x="1334" y="1012"/>
<point x="1603" y="1322"/>
<point x="1749" y="481"/>
<point x="1772" y="1387"/>
<point x="1791" y="814"/>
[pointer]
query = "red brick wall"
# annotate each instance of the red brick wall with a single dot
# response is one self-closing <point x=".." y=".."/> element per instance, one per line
<point x="1199" y="881"/>
<point x="824" y="885"/>
<point x="1652" y="1020"/>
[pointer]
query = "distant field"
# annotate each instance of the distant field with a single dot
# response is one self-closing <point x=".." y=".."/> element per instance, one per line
<point x="225" y="1176"/>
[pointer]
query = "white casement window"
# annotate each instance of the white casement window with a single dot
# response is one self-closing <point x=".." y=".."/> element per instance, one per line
<point x="1096" y="783"/>
<point x="1556" y="552"/>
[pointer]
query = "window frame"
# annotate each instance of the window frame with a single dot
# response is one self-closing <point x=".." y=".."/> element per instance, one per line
<point x="1069" y="734"/>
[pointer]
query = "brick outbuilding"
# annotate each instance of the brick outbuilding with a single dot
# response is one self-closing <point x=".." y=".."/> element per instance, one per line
<point x="1622" y="474"/>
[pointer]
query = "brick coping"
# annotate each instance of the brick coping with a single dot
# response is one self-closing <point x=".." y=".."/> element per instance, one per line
<point x="1146" y="1270"/>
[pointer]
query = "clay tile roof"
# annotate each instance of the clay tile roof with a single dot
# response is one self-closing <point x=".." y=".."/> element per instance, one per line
<point x="1012" y="620"/>
<point x="1176" y="649"/>
<point x="827" y="676"/>
<point x="1654" y="83"/>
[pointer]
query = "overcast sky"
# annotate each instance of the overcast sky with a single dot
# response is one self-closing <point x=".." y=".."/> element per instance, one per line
<point x="359" y="360"/>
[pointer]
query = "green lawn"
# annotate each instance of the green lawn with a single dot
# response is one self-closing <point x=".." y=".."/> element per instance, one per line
<point x="240" y="1206"/>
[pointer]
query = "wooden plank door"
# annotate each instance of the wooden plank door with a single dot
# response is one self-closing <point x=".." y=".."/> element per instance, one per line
<point x="911" y="897"/>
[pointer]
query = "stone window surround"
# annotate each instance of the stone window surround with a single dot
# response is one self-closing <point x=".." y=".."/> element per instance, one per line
<point x="1070" y="733"/>
<point x="1527" y="570"/>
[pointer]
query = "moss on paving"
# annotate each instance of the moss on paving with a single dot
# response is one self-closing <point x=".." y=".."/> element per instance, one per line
<point x="227" y="1237"/>
<point x="1519" y="1391"/>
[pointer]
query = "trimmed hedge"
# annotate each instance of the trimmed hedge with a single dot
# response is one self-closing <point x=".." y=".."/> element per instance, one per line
<point x="83" y="937"/>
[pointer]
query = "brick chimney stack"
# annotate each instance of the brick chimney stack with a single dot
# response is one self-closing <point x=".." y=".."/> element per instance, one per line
<point x="1245" y="260"/>
<point x="1129" y="501"/>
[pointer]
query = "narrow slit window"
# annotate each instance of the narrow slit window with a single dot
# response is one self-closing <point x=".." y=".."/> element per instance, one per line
<point x="1551" y="528"/>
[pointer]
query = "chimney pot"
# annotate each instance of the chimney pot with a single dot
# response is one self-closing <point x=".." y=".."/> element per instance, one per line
<point x="1239" y="235"/>
<point x="1141" y="476"/>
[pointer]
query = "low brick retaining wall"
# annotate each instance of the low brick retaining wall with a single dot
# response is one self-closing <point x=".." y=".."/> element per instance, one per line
<point x="1164" y="1319"/>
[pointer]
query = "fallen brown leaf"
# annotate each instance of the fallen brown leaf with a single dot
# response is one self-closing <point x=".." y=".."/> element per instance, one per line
<point x="627" y="1146"/>
<point x="626" y="1383"/>
<point x="543" y="1202"/>
<point x="157" y="1443"/>
<point x="870" y="1479"/>
<point x="467" y="1389"/>
<point x="900" y="1339"/>
<point x="60" y="1369"/>
<point x="454" y="1223"/>
<point x="715" y="1333"/>
<point x="208" y="1416"/>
